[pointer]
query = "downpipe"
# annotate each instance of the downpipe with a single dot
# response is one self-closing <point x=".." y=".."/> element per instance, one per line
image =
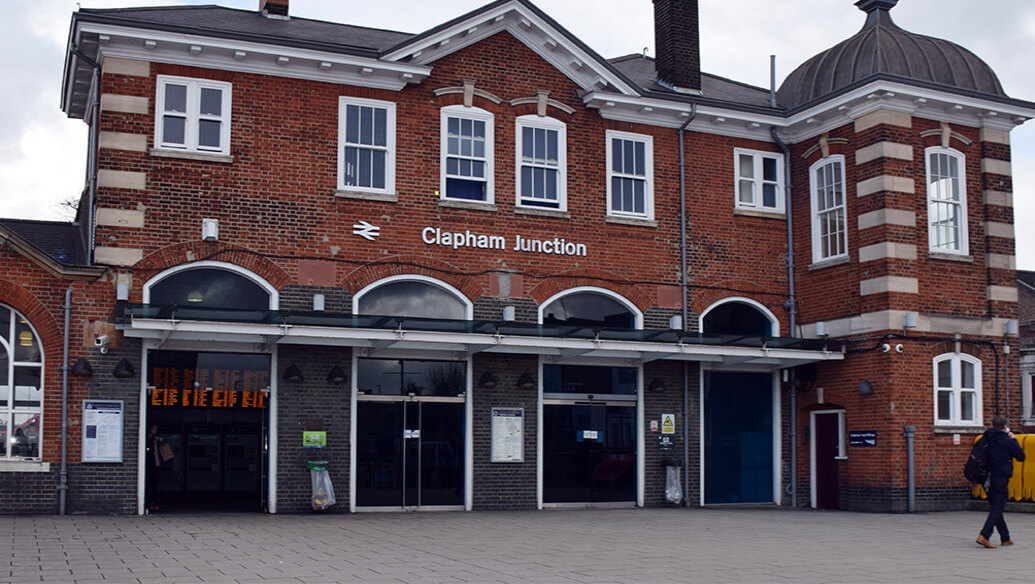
<point x="909" y="432"/>
<point x="63" y="473"/>
<point x="685" y="312"/>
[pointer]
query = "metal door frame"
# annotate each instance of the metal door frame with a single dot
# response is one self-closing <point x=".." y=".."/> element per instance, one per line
<point x="463" y="398"/>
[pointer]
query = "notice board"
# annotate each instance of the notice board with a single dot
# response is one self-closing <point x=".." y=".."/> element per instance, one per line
<point x="102" y="430"/>
<point x="508" y="434"/>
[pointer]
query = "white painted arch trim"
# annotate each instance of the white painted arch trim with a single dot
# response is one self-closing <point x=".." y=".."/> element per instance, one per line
<point x="637" y="314"/>
<point x="468" y="305"/>
<point x="774" y="323"/>
<point x="274" y="295"/>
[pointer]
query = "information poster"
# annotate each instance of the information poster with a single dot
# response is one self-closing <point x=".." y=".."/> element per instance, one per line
<point x="102" y="430"/>
<point x="508" y="434"/>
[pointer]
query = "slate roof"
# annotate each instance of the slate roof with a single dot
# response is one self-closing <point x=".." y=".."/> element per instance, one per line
<point x="250" y="25"/>
<point x="60" y="240"/>
<point x="641" y="71"/>
<point x="883" y="50"/>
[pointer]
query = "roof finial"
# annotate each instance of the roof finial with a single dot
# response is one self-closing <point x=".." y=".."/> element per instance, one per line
<point x="871" y="5"/>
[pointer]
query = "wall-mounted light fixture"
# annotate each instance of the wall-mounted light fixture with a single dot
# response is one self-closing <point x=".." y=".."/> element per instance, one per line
<point x="488" y="380"/>
<point x="336" y="375"/>
<point x="675" y="322"/>
<point x="293" y="374"/>
<point x="865" y="387"/>
<point x="209" y="229"/>
<point x="82" y="368"/>
<point x="656" y="385"/>
<point x="509" y="313"/>
<point x="526" y="381"/>
<point x="319" y="301"/>
<point x="123" y="370"/>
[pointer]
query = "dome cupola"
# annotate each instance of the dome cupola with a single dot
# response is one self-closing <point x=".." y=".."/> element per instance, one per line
<point x="882" y="50"/>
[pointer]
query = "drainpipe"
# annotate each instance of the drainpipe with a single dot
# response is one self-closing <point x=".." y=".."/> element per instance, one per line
<point x="63" y="475"/>
<point x="93" y="151"/>
<point x="911" y="480"/>
<point x="683" y="277"/>
<point x="792" y="309"/>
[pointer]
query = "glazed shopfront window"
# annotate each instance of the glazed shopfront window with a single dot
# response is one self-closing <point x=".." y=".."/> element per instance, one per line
<point x="21" y="386"/>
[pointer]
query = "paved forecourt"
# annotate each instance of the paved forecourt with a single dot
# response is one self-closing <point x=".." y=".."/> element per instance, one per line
<point x="568" y="546"/>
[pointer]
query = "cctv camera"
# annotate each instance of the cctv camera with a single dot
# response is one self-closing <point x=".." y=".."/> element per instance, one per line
<point x="885" y="348"/>
<point x="899" y="348"/>
<point x="101" y="340"/>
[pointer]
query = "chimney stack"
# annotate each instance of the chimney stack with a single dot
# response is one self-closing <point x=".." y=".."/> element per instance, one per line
<point x="273" y="8"/>
<point x="677" y="43"/>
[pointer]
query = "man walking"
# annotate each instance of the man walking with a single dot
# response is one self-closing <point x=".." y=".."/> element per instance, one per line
<point x="1002" y="449"/>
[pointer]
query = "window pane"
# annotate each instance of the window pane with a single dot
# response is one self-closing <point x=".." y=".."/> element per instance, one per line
<point x="769" y="195"/>
<point x="747" y="166"/>
<point x="540" y="144"/>
<point x="364" y="168"/>
<point x="27" y="389"/>
<point x="944" y="405"/>
<point x="173" y="130"/>
<point x="26" y="345"/>
<point x="967" y="406"/>
<point x="526" y="181"/>
<point x="351" y="160"/>
<point x="25" y="435"/>
<point x="768" y="168"/>
<point x="629" y="156"/>
<point x="380" y="127"/>
<point x="551" y="145"/>
<point x="945" y="373"/>
<point x="175" y="98"/>
<point x="404" y="376"/>
<point x="352" y="124"/>
<point x="366" y="125"/>
<point x="4" y="388"/>
<point x="378" y="170"/>
<point x="616" y="155"/>
<point x="208" y="135"/>
<point x="967" y="371"/>
<point x="527" y="143"/>
<point x="5" y="322"/>
<point x="616" y="193"/>
<point x="453" y="126"/>
<point x="747" y="194"/>
<point x="471" y="190"/>
<point x="641" y="159"/>
<point x="3" y="435"/>
<point x="211" y="102"/>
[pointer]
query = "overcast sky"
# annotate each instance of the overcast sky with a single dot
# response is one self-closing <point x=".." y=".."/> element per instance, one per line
<point x="42" y="153"/>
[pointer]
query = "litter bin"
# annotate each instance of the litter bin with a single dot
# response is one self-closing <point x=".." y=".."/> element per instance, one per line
<point x="323" y="490"/>
<point x="673" y="482"/>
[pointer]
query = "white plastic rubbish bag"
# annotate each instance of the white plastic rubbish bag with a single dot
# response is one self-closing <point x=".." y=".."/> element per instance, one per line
<point x="323" y="490"/>
<point x="673" y="490"/>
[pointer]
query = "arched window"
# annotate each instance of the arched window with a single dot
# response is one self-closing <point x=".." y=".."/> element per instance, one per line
<point x="946" y="200"/>
<point x="21" y="386"/>
<point x="957" y="390"/>
<point x="738" y="317"/>
<point x="590" y="308"/>
<point x="413" y="297"/>
<point x="209" y="286"/>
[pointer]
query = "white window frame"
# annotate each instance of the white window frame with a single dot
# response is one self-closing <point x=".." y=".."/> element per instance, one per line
<point x="647" y="177"/>
<point x="389" y="148"/>
<point x="549" y="124"/>
<point x="962" y="236"/>
<point x="757" y="181"/>
<point x="817" y="224"/>
<point x="193" y="116"/>
<point x="472" y="113"/>
<point x="956" y="359"/>
<point x="10" y="410"/>
<point x="1027" y="386"/>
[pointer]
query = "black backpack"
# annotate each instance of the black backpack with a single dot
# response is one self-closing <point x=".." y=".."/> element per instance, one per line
<point x="976" y="469"/>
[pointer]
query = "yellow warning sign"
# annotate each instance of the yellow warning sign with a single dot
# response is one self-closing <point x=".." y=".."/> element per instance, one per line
<point x="668" y="423"/>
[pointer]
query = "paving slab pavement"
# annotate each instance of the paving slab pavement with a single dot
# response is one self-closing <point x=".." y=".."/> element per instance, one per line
<point x="663" y="545"/>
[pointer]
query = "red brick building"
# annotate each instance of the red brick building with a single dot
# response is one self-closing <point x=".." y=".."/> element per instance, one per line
<point x="483" y="267"/>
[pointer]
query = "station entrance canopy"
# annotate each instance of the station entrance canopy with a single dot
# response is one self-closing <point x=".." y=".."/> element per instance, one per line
<point x="388" y="336"/>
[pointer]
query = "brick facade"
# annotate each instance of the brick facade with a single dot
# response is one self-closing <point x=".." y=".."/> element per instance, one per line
<point x="282" y="221"/>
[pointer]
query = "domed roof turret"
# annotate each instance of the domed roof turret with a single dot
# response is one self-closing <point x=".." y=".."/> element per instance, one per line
<point x="883" y="50"/>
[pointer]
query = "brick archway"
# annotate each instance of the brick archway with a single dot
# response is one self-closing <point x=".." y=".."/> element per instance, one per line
<point x="363" y="276"/>
<point x="193" y="251"/>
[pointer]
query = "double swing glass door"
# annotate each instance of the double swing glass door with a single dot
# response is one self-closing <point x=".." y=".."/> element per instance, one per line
<point x="410" y="453"/>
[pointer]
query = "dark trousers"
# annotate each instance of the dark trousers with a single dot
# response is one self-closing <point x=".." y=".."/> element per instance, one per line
<point x="997" y="493"/>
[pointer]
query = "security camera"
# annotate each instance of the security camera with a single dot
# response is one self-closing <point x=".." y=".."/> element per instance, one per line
<point x="885" y="348"/>
<point x="101" y="340"/>
<point x="899" y="348"/>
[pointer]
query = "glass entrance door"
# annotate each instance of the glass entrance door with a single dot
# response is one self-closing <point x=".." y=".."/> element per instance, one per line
<point x="738" y="446"/>
<point x="410" y="453"/>
<point x="589" y="453"/>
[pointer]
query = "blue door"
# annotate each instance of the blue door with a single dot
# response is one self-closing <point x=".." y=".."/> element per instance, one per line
<point x="738" y="434"/>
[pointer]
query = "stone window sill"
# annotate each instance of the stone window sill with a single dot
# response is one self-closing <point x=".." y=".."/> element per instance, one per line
<point x="383" y="197"/>
<point x="959" y="429"/>
<point x="949" y="257"/>
<point x="542" y="212"/>
<point x="829" y="263"/>
<point x="631" y="221"/>
<point x="24" y="466"/>
<point x="761" y="214"/>
<point x="200" y="156"/>
<point x="472" y="205"/>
